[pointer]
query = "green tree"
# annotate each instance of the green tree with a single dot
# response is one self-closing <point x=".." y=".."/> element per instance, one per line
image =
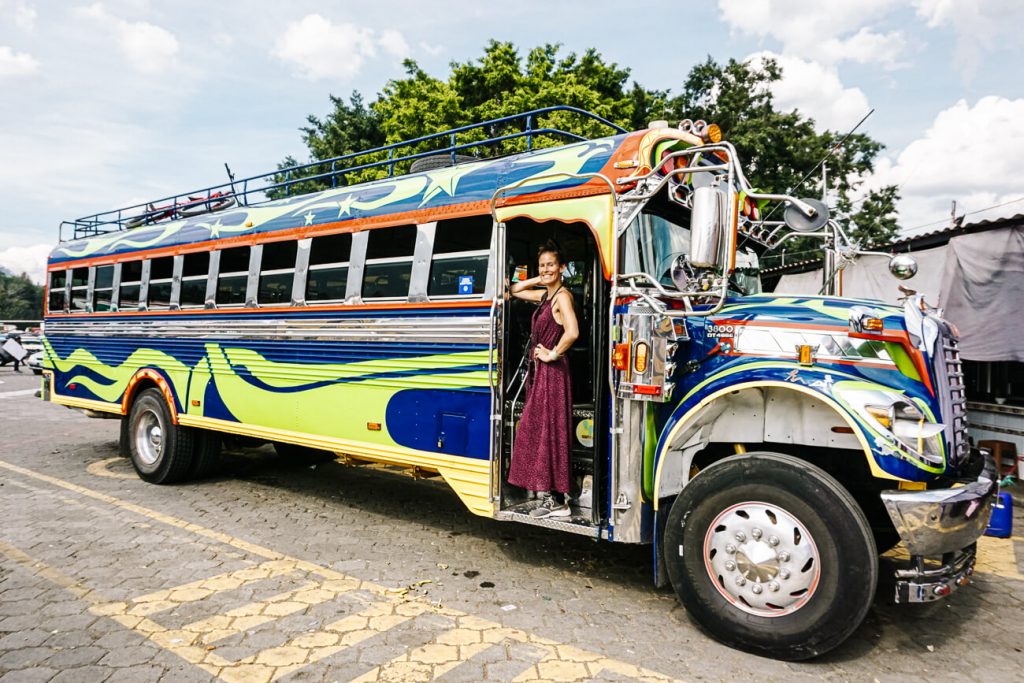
<point x="778" y="148"/>
<point x="781" y="150"/>
<point x="20" y="299"/>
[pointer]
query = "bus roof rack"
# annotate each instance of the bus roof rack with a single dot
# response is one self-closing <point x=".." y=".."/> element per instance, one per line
<point x="327" y="173"/>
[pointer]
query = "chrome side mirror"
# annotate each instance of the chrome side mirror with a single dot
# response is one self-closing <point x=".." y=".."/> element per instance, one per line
<point x="806" y="215"/>
<point x="903" y="266"/>
<point x="707" y="223"/>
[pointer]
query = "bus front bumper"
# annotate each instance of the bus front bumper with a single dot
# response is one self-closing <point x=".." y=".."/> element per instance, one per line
<point x="940" y="523"/>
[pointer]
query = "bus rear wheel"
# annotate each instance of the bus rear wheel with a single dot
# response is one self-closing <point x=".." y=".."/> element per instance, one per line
<point x="161" y="451"/>
<point x="771" y="555"/>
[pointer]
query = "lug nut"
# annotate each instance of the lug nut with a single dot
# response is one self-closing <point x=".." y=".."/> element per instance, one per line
<point x="773" y="540"/>
<point x="773" y="586"/>
<point x="784" y="556"/>
<point x="740" y="536"/>
<point x="756" y="534"/>
<point x="756" y="588"/>
<point x="783" y="573"/>
<point x="730" y="566"/>
<point x="740" y="581"/>
<point x="730" y="548"/>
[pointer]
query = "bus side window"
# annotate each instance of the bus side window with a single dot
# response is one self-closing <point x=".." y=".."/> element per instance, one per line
<point x="277" y="271"/>
<point x="328" y="267"/>
<point x="103" y="289"/>
<point x="388" y="268"/>
<point x="131" y="285"/>
<point x="161" y="272"/>
<point x="194" y="272"/>
<point x="233" y="277"/>
<point x="462" y="248"/>
<point x="58" y="296"/>
<point x="79" y="289"/>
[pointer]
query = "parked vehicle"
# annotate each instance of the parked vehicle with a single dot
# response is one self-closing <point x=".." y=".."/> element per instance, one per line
<point x="767" y="447"/>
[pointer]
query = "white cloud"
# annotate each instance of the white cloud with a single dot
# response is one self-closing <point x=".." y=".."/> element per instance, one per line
<point x="30" y="260"/>
<point x="25" y="17"/>
<point x="432" y="50"/>
<point x="940" y="167"/>
<point x="980" y="26"/>
<point x="815" y="89"/>
<point x="16" y="64"/>
<point x="394" y="44"/>
<point x="829" y="32"/>
<point x="322" y="49"/>
<point x="148" y="48"/>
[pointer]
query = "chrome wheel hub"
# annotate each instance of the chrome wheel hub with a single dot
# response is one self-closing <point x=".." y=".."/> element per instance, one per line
<point x="149" y="438"/>
<point x="761" y="559"/>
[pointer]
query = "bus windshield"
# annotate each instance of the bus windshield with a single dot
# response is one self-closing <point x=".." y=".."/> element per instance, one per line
<point x="652" y="243"/>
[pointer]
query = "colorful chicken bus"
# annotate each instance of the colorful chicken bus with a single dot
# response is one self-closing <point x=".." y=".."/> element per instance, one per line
<point x="766" y="447"/>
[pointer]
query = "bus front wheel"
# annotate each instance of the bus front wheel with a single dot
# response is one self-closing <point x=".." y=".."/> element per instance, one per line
<point x="771" y="555"/>
<point x="161" y="451"/>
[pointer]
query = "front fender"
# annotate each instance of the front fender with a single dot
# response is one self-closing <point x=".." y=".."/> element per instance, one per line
<point x="884" y="457"/>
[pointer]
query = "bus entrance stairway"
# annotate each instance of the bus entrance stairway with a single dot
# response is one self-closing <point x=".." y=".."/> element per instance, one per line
<point x="581" y="461"/>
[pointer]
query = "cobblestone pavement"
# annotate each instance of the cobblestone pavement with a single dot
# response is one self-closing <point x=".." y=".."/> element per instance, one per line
<point x="272" y="571"/>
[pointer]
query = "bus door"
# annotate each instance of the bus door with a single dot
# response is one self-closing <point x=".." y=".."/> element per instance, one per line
<point x="588" y="368"/>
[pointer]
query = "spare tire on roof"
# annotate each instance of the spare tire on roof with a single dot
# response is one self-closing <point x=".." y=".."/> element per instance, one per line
<point x="438" y="161"/>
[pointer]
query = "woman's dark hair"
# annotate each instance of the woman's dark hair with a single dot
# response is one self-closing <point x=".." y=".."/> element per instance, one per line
<point x="552" y="247"/>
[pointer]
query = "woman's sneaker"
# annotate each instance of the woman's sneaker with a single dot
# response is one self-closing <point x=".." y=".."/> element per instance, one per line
<point x="549" y="507"/>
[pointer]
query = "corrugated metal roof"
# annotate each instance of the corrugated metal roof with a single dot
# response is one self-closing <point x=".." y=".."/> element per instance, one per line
<point x="941" y="236"/>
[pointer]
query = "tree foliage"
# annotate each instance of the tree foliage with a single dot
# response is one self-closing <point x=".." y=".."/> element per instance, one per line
<point x="20" y="299"/>
<point x="778" y="148"/>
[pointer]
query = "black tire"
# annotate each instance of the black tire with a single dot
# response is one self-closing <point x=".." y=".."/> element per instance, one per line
<point x="206" y="457"/>
<point x="438" y="161"/>
<point x="831" y="600"/>
<point x="161" y="451"/>
<point x="303" y="455"/>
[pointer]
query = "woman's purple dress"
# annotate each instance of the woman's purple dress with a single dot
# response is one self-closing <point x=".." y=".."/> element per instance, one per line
<point x="540" y="452"/>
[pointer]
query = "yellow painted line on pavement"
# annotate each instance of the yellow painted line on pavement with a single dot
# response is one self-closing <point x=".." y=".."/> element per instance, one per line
<point x="101" y="469"/>
<point x="386" y="610"/>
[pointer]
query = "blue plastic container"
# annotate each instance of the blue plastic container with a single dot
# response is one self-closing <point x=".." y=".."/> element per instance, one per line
<point x="1001" y="523"/>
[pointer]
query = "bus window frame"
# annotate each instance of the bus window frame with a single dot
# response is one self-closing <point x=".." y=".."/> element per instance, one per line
<point x="301" y="287"/>
<point x="72" y="289"/>
<point x="192" y="278"/>
<point x="65" y="289"/>
<point x="115" y="272"/>
<point x="364" y="262"/>
<point x="277" y="271"/>
<point x="249" y="294"/>
<point x="434" y="257"/>
<point x="147" y="274"/>
<point x="419" y="276"/>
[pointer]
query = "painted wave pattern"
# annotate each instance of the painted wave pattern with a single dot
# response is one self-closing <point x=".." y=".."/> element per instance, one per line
<point x="443" y="187"/>
<point x="332" y="400"/>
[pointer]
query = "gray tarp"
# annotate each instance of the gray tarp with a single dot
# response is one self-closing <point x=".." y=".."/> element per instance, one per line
<point x="983" y="293"/>
<point x="978" y="279"/>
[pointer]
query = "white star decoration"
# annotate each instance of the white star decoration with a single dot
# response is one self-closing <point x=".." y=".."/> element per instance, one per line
<point x="309" y="218"/>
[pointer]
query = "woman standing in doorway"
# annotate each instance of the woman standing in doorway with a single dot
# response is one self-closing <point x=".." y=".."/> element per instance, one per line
<point x="540" y="454"/>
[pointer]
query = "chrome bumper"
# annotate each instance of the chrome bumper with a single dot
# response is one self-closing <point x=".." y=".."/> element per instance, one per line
<point x="941" y="521"/>
<point x="919" y="583"/>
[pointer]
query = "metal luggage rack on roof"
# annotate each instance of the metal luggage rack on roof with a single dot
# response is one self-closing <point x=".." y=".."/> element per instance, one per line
<point x="321" y="174"/>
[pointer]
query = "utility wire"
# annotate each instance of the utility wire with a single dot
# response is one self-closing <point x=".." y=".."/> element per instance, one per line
<point x="969" y="213"/>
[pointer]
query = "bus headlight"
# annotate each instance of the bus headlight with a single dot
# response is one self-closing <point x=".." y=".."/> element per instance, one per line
<point x="909" y="427"/>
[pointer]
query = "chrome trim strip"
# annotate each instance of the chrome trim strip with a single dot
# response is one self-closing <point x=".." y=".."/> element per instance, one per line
<point x="303" y="248"/>
<point x="462" y="329"/>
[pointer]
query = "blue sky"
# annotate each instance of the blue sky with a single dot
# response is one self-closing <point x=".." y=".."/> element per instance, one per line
<point x="124" y="101"/>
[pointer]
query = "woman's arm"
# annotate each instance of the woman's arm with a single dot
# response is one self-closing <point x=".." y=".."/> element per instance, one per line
<point x="563" y="306"/>
<point x="524" y="289"/>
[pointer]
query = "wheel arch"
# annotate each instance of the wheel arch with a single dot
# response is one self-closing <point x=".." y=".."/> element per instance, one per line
<point x="716" y="413"/>
<point x="148" y="378"/>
